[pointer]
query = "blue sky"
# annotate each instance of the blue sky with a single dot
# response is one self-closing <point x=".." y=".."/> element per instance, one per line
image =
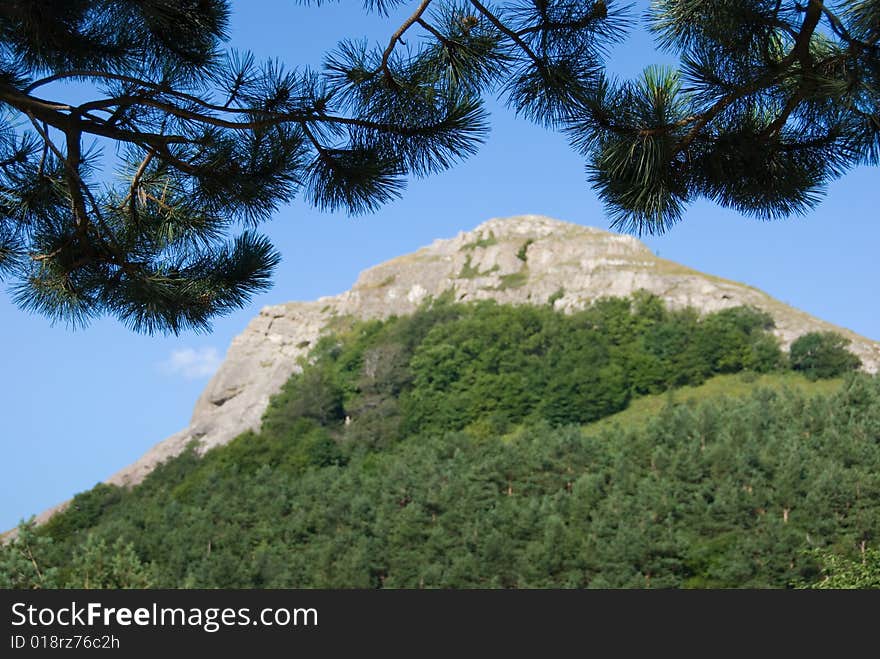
<point x="79" y="405"/>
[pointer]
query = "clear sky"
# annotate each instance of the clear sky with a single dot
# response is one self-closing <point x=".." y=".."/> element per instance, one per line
<point x="79" y="405"/>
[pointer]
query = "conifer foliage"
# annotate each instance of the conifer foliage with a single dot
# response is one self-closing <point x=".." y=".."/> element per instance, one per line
<point x="773" y="99"/>
<point x="206" y="139"/>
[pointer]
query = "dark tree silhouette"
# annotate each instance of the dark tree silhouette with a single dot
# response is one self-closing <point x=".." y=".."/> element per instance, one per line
<point x="772" y="100"/>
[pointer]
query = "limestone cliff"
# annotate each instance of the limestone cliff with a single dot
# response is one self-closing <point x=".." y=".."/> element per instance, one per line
<point x="521" y="260"/>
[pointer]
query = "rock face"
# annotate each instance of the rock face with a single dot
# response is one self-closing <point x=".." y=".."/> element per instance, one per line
<point x="521" y="260"/>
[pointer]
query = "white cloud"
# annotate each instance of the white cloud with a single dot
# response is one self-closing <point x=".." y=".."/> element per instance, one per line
<point x="192" y="363"/>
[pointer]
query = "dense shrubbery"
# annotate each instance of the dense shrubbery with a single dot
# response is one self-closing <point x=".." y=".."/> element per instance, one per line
<point x="840" y="572"/>
<point x="822" y="355"/>
<point x="452" y="366"/>
<point x="445" y="450"/>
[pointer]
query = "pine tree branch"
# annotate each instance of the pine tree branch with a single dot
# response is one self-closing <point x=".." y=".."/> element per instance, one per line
<point x="45" y="154"/>
<point x="703" y="120"/>
<point x="840" y="30"/>
<point x="34" y="103"/>
<point x="77" y="203"/>
<point x="160" y="202"/>
<point x="71" y="163"/>
<point x="54" y="113"/>
<point x="131" y="198"/>
<point x="434" y="31"/>
<point x="827" y="140"/>
<point x="120" y="101"/>
<point x="800" y="52"/>
<point x="74" y="180"/>
<point x="808" y="27"/>
<point x="838" y="26"/>
<point x="159" y="89"/>
<point x="407" y="24"/>
<point x="780" y="121"/>
<point x="501" y="27"/>
<point x="136" y="179"/>
<point x="51" y="114"/>
<point x="179" y="164"/>
<point x="322" y="152"/>
<point x="51" y="255"/>
<point x="87" y="73"/>
<point x="547" y="24"/>
<point x="268" y="120"/>
<point x="79" y="193"/>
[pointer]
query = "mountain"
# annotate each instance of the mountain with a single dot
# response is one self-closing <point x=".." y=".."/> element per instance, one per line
<point x="518" y="260"/>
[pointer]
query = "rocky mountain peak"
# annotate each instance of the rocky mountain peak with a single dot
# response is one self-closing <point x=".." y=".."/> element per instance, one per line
<point x="527" y="259"/>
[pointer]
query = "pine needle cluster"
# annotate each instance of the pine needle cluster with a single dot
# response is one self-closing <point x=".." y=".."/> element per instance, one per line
<point x="772" y="100"/>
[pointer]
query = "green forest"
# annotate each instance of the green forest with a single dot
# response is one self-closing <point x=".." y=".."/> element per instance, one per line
<point x="489" y="446"/>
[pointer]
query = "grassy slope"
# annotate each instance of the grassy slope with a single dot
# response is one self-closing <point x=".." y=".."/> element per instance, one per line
<point x="737" y="385"/>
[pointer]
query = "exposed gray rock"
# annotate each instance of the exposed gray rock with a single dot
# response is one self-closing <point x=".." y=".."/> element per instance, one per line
<point x="526" y="259"/>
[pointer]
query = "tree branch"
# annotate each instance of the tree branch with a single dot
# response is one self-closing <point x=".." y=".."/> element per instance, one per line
<point x="800" y="52"/>
<point x="322" y="152"/>
<point x="71" y="163"/>
<point x="135" y="183"/>
<point x="501" y="27"/>
<point x="49" y="113"/>
<point x="79" y="191"/>
<point x="578" y="24"/>
<point x="407" y="24"/>
<point x="439" y="35"/>
<point x="780" y="121"/>
<point x="808" y="27"/>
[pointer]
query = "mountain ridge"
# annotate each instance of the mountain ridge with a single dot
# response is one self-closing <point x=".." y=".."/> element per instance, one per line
<point x="527" y="259"/>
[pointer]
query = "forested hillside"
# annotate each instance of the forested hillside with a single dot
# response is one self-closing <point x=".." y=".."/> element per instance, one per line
<point x="484" y="445"/>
